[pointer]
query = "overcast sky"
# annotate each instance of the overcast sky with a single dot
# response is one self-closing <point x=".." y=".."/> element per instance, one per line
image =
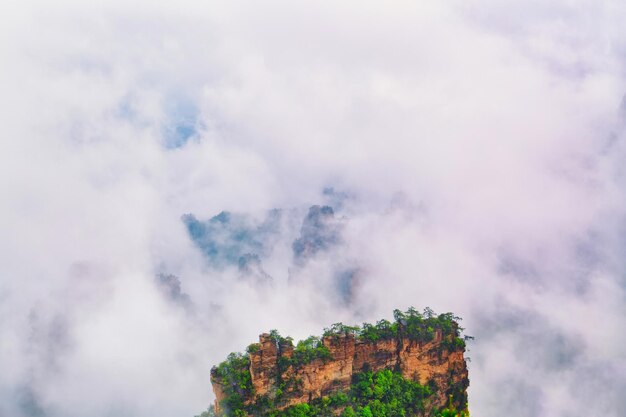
<point x="464" y="155"/>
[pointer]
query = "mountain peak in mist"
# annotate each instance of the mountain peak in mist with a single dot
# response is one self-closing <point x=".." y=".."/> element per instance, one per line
<point x="413" y="366"/>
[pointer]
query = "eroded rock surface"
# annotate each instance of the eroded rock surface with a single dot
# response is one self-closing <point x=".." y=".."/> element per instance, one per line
<point x="430" y="363"/>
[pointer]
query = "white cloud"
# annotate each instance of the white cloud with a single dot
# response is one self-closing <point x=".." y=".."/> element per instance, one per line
<point x="481" y="147"/>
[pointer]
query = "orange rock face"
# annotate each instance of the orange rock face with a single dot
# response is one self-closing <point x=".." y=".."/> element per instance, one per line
<point x="263" y="365"/>
<point x="427" y="363"/>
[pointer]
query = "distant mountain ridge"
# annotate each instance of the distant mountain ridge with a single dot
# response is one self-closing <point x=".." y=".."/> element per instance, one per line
<point x="246" y="243"/>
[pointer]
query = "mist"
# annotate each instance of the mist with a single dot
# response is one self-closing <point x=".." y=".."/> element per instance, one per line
<point x="177" y="179"/>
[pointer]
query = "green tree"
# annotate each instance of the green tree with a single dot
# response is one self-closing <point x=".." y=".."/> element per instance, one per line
<point x="348" y="412"/>
<point x="366" y="412"/>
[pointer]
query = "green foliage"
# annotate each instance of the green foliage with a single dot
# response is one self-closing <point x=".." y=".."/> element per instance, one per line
<point x="234" y="376"/>
<point x="253" y="348"/>
<point x="280" y="340"/>
<point x="348" y="412"/>
<point x="456" y="391"/>
<point x="341" y="329"/>
<point x="308" y="350"/>
<point x="366" y="412"/>
<point x="305" y="351"/>
<point x="210" y="412"/>
<point x="298" y="410"/>
<point x="388" y="393"/>
<point x="372" y="394"/>
<point x="420" y="327"/>
<point x="451" y="411"/>
<point x="446" y="412"/>
<point x="369" y="333"/>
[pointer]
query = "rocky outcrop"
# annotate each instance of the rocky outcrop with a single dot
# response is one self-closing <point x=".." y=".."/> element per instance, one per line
<point x="272" y="373"/>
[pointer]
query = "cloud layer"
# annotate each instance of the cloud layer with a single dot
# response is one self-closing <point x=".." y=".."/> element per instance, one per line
<point x="467" y="156"/>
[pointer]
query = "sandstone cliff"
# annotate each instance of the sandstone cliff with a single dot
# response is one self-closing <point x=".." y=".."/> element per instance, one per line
<point x="437" y="363"/>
